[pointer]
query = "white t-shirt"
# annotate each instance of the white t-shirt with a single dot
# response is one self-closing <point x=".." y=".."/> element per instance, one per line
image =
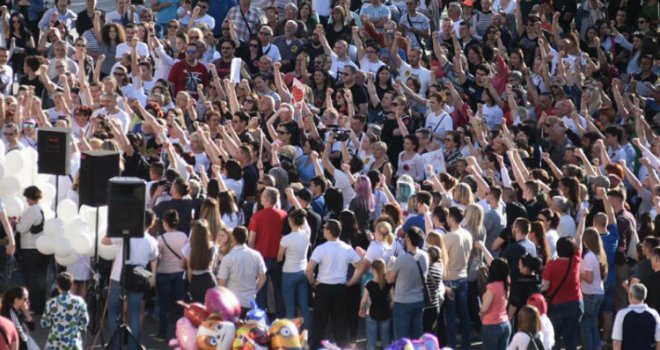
<point x="7" y="78"/>
<point x="121" y="115"/>
<point x="590" y="263"/>
<point x="552" y="237"/>
<point x="337" y="67"/>
<point x="493" y="116"/>
<point x="142" y="50"/>
<point x="421" y="73"/>
<point x="272" y="51"/>
<point x="439" y="123"/>
<point x="295" y="255"/>
<point x="142" y="251"/>
<point x="378" y="250"/>
<point x="566" y="226"/>
<point x="548" y="332"/>
<point x="521" y="340"/>
<point x="206" y="19"/>
<point x="342" y="183"/>
<point x="371" y="67"/>
<point x="333" y="258"/>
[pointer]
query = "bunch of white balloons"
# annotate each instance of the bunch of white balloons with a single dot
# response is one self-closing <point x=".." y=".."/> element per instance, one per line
<point x="70" y="235"/>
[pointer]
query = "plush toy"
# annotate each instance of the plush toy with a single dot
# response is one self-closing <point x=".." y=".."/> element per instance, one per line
<point x="185" y="336"/>
<point x="427" y="342"/>
<point x="223" y="301"/>
<point x="256" y="315"/>
<point x="251" y="336"/>
<point x="284" y="335"/>
<point x="215" y="334"/>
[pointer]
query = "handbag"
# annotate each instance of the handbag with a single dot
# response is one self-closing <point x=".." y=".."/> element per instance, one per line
<point x="425" y="289"/>
<point x="170" y="248"/>
<point x="137" y="278"/>
<point x="548" y="298"/>
<point x="482" y="278"/>
<point x="35" y="229"/>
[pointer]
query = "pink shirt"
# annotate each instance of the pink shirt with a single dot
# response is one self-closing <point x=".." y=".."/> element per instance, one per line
<point x="168" y="262"/>
<point x="497" y="312"/>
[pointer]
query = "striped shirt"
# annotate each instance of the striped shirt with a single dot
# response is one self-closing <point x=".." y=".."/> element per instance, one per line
<point x="434" y="284"/>
<point x="240" y="268"/>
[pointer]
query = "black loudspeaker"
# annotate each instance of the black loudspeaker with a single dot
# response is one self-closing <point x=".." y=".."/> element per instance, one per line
<point x="126" y="203"/>
<point x="54" y="149"/>
<point x="96" y="168"/>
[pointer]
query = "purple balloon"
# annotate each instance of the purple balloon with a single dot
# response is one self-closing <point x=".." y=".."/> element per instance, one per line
<point x="223" y="301"/>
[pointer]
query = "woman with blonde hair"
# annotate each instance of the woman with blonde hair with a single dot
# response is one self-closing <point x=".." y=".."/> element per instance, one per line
<point x="474" y="223"/>
<point x="593" y="271"/>
<point x="381" y="247"/>
<point x="463" y="196"/>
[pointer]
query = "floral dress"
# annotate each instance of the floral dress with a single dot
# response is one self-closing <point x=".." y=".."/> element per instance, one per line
<point x="66" y="318"/>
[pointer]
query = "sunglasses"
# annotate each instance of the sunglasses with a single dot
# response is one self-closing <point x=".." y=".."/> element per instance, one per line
<point x="203" y="7"/>
<point x="254" y="45"/>
<point x="172" y="26"/>
<point x="194" y="37"/>
<point x="191" y="52"/>
<point x="81" y="45"/>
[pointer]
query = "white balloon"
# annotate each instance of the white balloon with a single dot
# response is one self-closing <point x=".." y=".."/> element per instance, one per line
<point x="48" y="191"/>
<point x="10" y="185"/>
<point x="31" y="155"/>
<point x="67" y="260"/>
<point x="107" y="252"/>
<point x="48" y="213"/>
<point x="81" y="243"/>
<point x="54" y="227"/>
<point x="14" y="161"/>
<point x="2" y="170"/>
<point x="14" y="206"/>
<point x="45" y="244"/>
<point x="67" y="210"/>
<point x="3" y="149"/>
<point x="62" y="246"/>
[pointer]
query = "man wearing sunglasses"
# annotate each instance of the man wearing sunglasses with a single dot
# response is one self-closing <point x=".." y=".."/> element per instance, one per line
<point x="188" y="73"/>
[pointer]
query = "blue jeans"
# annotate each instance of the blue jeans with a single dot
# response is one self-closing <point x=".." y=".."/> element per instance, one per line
<point x="496" y="336"/>
<point x="565" y="319"/>
<point x="589" y="323"/>
<point x="114" y="310"/>
<point x="295" y="291"/>
<point x="170" y="287"/>
<point x="273" y="273"/>
<point x="408" y="320"/>
<point x="458" y="303"/>
<point x="374" y="330"/>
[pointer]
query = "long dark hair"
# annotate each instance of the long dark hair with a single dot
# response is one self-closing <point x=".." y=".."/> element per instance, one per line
<point x="200" y="246"/>
<point x="334" y="201"/>
<point x="22" y="30"/>
<point x="8" y="298"/>
<point x="499" y="272"/>
<point x="349" y="227"/>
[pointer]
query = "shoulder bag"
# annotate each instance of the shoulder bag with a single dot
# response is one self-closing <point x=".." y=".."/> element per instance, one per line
<point x="35" y="229"/>
<point x="425" y="289"/>
<point x="170" y="248"/>
<point x="137" y="278"/>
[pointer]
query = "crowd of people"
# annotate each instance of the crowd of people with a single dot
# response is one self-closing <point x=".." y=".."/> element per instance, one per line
<point x="479" y="170"/>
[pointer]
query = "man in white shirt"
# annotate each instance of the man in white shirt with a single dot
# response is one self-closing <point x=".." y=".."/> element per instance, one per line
<point x="243" y="270"/>
<point x="333" y="259"/>
<point x="340" y="56"/>
<point x="122" y="15"/>
<point x="125" y="47"/>
<point x="6" y="73"/>
<point x="111" y="110"/>
<point x="638" y="325"/>
<point x="437" y="120"/>
<point x="59" y="13"/>
<point x="413" y="69"/>
<point x="268" y="49"/>
<point x="201" y="15"/>
<point x="142" y="251"/>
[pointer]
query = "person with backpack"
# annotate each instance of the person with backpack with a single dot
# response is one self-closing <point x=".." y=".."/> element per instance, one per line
<point x="528" y="336"/>
<point x="34" y="264"/>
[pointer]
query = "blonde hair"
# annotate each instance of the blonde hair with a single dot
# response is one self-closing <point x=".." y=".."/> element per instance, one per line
<point x="434" y="239"/>
<point x="474" y="218"/>
<point x="463" y="194"/>
<point x="592" y="241"/>
<point x="379" y="268"/>
<point x="385" y="229"/>
<point x="210" y="211"/>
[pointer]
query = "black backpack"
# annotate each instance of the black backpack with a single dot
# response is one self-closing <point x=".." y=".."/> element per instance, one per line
<point x="535" y="342"/>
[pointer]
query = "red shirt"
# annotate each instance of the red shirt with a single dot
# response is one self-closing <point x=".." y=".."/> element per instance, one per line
<point x="9" y="330"/>
<point x="186" y="78"/>
<point x="570" y="290"/>
<point x="267" y="223"/>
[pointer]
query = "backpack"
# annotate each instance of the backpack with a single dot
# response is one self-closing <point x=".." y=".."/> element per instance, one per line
<point x="535" y="342"/>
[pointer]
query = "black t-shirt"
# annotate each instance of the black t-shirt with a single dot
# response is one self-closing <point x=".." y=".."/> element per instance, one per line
<point x="250" y="178"/>
<point x="652" y="284"/>
<point x="359" y="94"/>
<point x="313" y="220"/>
<point x="473" y="91"/>
<point x="512" y="254"/>
<point x="184" y="207"/>
<point x="534" y="208"/>
<point x="380" y="306"/>
<point x="38" y="86"/>
<point x="522" y="288"/>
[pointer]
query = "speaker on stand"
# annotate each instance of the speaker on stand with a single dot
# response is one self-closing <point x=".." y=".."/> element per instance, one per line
<point x="126" y="202"/>
<point x="96" y="169"/>
<point x="54" y="155"/>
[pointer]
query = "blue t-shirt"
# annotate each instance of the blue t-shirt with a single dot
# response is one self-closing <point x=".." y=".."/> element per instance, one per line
<point x="610" y="244"/>
<point x="167" y="14"/>
<point x="416" y="221"/>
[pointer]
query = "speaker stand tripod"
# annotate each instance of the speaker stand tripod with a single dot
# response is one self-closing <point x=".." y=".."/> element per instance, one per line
<point x="94" y="297"/>
<point x="123" y="331"/>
